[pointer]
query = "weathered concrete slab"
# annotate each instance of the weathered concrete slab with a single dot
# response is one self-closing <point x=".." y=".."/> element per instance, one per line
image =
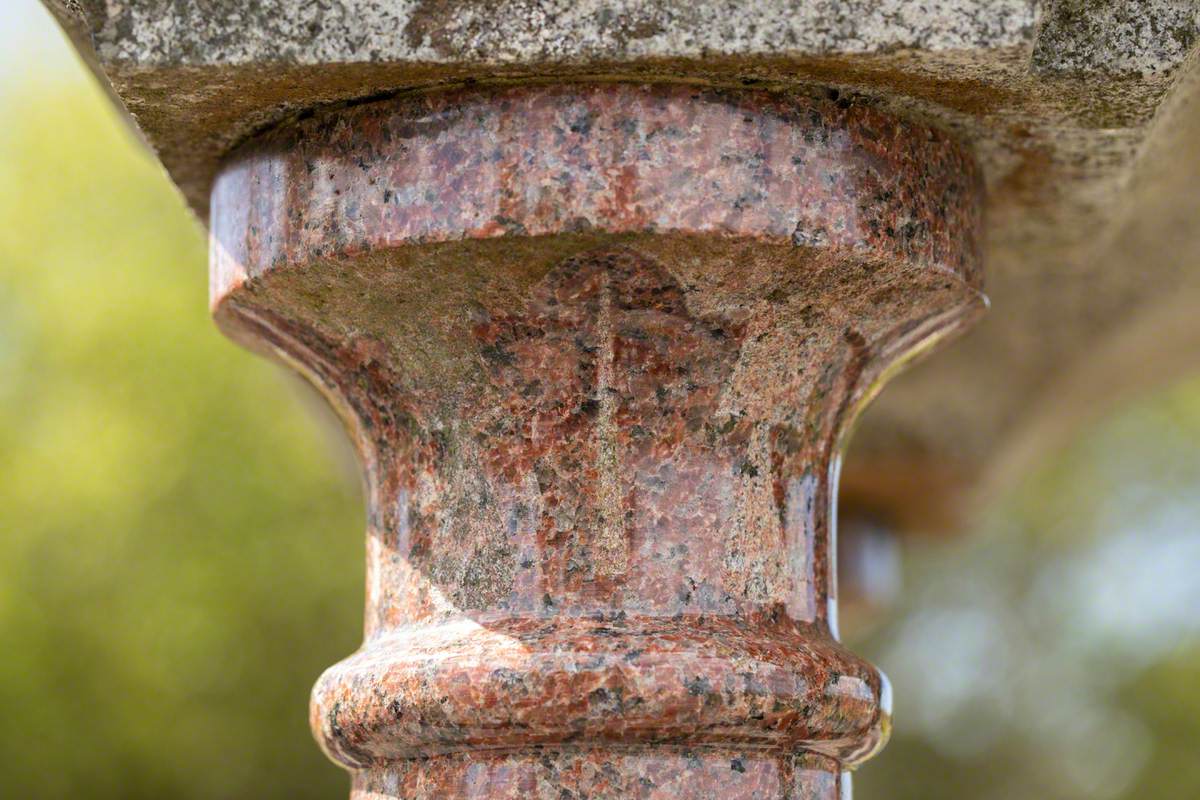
<point x="1083" y="115"/>
<point x="198" y="33"/>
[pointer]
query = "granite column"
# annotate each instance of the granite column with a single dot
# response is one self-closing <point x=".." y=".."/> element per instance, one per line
<point x="599" y="346"/>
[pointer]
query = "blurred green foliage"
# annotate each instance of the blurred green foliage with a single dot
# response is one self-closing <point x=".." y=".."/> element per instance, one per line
<point x="180" y="556"/>
<point x="1054" y="652"/>
<point x="181" y="547"/>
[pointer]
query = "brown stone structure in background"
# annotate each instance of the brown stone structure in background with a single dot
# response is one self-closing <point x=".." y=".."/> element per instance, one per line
<point x="599" y="287"/>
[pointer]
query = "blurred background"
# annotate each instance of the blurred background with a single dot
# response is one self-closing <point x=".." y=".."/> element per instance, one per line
<point x="181" y="532"/>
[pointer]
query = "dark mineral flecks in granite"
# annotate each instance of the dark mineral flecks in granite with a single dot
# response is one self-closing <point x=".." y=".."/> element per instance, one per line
<point x="598" y="346"/>
<point x="661" y="773"/>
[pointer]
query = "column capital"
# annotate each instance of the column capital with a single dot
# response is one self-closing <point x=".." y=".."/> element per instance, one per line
<point x="598" y="344"/>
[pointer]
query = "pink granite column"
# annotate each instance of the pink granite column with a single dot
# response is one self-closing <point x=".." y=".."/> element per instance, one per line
<point x="598" y="346"/>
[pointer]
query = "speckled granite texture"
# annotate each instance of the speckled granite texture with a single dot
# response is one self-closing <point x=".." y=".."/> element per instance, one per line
<point x="613" y="157"/>
<point x="598" y="346"/>
<point x="656" y="774"/>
